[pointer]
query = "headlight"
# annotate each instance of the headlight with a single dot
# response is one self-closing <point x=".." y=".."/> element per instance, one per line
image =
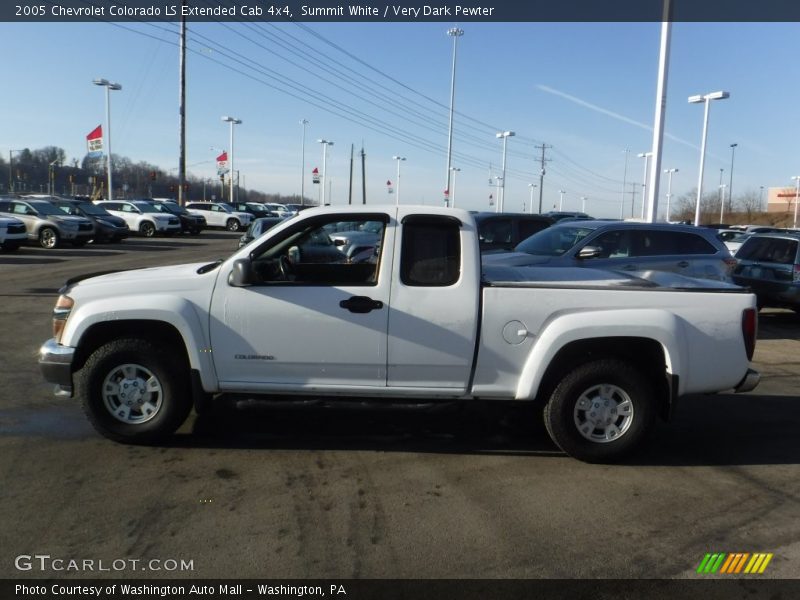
<point x="61" y="313"/>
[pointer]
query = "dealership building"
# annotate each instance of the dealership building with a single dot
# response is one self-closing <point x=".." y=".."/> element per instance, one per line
<point x="781" y="199"/>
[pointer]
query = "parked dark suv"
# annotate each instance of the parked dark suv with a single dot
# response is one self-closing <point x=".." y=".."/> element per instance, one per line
<point x="626" y="246"/>
<point x="501" y="232"/>
<point x="769" y="264"/>
<point x="190" y="223"/>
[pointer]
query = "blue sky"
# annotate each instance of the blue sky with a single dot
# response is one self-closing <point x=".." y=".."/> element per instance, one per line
<point x="587" y="89"/>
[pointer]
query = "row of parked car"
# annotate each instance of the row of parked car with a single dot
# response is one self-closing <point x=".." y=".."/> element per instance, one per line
<point x="51" y="221"/>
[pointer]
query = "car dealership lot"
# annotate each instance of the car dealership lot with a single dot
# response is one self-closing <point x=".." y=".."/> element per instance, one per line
<point x="353" y="491"/>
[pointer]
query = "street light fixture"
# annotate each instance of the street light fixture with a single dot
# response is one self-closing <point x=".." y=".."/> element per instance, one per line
<point x="232" y="122"/>
<point x="454" y="33"/>
<point x="453" y="191"/>
<point x="706" y="99"/>
<point x="504" y="135"/>
<point x="670" y="172"/>
<point x="325" y="144"/>
<point x="399" y="159"/>
<point x="109" y="87"/>
<point x="51" y="178"/>
<point x="646" y="156"/>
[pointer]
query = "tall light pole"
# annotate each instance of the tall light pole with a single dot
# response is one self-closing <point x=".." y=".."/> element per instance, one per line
<point x="454" y="33"/>
<point x="583" y="204"/>
<point x="730" y="181"/>
<point x="561" y="200"/>
<point x="453" y="191"/>
<point x="761" y="198"/>
<point x="796" y="198"/>
<point x="399" y="159"/>
<point x="325" y="144"/>
<point x="109" y="87"/>
<point x="11" y="169"/>
<point x="722" y="202"/>
<point x="706" y="99"/>
<point x="303" y="123"/>
<point x="51" y="178"/>
<point x="646" y="156"/>
<point x="504" y="135"/>
<point x="624" y="178"/>
<point x="533" y="186"/>
<point x="670" y="172"/>
<point x="232" y="122"/>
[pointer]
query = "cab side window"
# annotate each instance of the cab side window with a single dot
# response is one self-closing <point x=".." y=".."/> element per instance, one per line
<point x="430" y="251"/>
<point x="306" y="255"/>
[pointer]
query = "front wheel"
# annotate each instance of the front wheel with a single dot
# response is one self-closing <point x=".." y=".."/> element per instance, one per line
<point x="601" y="411"/>
<point x="134" y="391"/>
<point x="233" y="225"/>
<point x="48" y="238"/>
<point x="147" y="229"/>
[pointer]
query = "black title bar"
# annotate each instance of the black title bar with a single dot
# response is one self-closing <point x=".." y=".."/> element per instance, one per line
<point x="400" y="11"/>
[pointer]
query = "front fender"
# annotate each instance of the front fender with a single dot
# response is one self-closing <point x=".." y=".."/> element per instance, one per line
<point x="178" y="312"/>
<point x="661" y="326"/>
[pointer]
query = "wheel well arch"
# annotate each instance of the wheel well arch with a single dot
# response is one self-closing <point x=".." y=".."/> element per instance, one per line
<point x="98" y="334"/>
<point x="645" y="353"/>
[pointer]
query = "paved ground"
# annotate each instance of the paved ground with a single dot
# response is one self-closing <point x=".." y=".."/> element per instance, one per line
<point x="458" y="492"/>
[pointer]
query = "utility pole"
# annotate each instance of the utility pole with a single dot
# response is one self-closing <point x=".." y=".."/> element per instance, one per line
<point x="363" y="175"/>
<point x="543" y="147"/>
<point x="182" y="111"/>
<point x="350" y="185"/>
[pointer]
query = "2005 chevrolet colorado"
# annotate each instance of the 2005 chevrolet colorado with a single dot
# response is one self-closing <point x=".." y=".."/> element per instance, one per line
<point x="604" y="352"/>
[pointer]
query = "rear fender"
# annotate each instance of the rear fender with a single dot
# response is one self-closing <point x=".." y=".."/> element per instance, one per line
<point x="658" y="325"/>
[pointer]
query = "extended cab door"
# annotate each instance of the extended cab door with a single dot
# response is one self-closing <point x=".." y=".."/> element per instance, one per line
<point x="433" y="318"/>
<point x="310" y="320"/>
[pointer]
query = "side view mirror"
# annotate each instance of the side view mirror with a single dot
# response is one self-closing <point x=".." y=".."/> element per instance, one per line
<point x="242" y="273"/>
<point x="589" y="252"/>
<point x="339" y="242"/>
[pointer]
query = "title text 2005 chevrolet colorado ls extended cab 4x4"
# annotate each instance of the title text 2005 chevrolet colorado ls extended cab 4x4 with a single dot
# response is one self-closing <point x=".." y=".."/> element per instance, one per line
<point x="605" y="353"/>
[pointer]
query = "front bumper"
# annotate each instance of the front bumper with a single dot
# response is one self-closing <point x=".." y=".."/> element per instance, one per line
<point x="55" y="363"/>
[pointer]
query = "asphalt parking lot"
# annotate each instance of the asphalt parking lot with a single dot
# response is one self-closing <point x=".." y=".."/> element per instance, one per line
<point x="315" y="491"/>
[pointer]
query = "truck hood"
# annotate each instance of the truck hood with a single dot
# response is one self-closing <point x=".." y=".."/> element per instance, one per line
<point x="154" y="279"/>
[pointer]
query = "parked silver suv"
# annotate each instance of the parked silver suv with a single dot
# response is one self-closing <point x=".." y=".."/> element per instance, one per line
<point x="626" y="246"/>
<point x="47" y="224"/>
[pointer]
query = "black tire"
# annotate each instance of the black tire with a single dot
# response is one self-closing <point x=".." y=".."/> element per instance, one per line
<point x="195" y="231"/>
<point x="147" y="229"/>
<point x="622" y="401"/>
<point x="154" y="410"/>
<point x="49" y="238"/>
<point x="9" y="247"/>
<point x="233" y="225"/>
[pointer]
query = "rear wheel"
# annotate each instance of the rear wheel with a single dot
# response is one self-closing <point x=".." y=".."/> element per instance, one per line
<point x="134" y="390"/>
<point x="233" y="225"/>
<point x="48" y="238"/>
<point x="601" y="411"/>
<point x="147" y="229"/>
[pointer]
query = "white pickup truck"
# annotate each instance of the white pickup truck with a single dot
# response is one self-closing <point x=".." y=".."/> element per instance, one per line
<point x="288" y="316"/>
